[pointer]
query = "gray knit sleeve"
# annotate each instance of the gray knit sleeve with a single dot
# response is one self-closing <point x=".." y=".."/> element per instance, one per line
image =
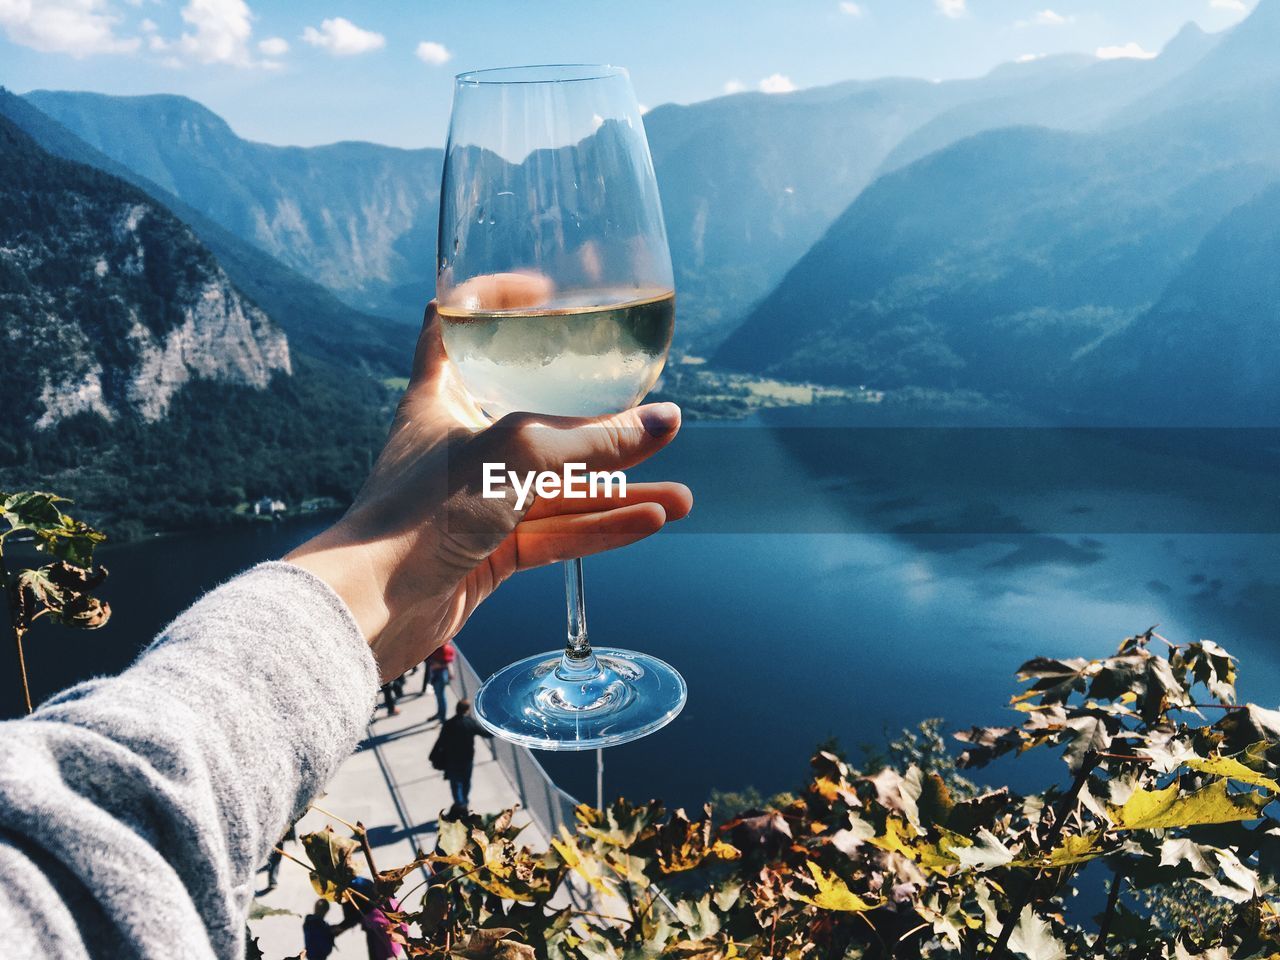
<point x="135" y="809"/>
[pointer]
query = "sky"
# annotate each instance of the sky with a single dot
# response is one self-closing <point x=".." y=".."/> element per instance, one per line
<point x="289" y="72"/>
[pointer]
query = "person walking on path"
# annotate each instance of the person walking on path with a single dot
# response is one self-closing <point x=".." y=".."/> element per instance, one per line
<point x="437" y="675"/>
<point x="455" y="752"/>
<point x="135" y="809"/>
<point x="317" y="935"/>
<point x="275" y="856"/>
<point x="391" y="694"/>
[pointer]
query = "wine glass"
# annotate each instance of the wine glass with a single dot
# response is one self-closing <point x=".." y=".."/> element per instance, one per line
<point x="549" y="198"/>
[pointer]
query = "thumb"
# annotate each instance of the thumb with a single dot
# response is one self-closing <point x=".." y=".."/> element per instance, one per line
<point x="530" y="442"/>
<point x="429" y="358"/>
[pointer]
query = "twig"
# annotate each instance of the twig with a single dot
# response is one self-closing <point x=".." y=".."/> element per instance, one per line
<point x="1215" y="706"/>
<point x="22" y="669"/>
<point x="333" y="816"/>
<point x="290" y="856"/>
<point x="1113" y="898"/>
<point x="1062" y="811"/>
<point x="12" y="603"/>
<point x="913" y="931"/>
<point x="888" y="950"/>
<point x="363" y="834"/>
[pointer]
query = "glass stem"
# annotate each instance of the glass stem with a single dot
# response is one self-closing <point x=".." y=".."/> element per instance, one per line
<point x="577" y="652"/>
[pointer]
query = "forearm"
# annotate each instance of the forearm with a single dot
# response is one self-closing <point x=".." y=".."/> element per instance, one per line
<point x="134" y="810"/>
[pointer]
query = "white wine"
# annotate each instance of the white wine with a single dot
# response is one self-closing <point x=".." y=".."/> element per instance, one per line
<point x="570" y="357"/>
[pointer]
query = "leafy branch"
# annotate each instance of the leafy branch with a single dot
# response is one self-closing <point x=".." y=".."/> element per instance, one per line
<point x="907" y="858"/>
<point x="61" y="589"/>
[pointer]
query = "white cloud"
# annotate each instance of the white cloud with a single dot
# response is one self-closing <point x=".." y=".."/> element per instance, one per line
<point x="955" y="9"/>
<point x="1131" y="50"/>
<point x="147" y="25"/>
<point x="734" y="86"/>
<point x="643" y="109"/>
<point x="776" y="83"/>
<point x="1236" y="6"/>
<point x="222" y="30"/>
<point x="851" y="8"/>
<point x="436" y="54"/>
<point x="1045" y="18"/>
<point x="343" y="38"/>
<point x="76" y="27"/>
<point x="274" y="46"/>
<point x="1028" y="57"/>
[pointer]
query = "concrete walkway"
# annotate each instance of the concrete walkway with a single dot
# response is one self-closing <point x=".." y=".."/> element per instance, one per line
<point x="391" y="787"/>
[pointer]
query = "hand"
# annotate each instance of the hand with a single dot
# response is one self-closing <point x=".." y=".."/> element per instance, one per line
<point x="420" y="548"/>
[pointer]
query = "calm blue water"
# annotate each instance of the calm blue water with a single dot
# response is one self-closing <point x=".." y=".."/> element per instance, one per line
<point x="847" y="583"/>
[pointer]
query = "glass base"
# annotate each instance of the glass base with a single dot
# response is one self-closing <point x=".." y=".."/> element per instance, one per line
<point x="547" y="702"/>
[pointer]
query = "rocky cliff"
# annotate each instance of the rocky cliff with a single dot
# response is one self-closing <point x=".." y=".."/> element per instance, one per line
<point x="108" y="304"/>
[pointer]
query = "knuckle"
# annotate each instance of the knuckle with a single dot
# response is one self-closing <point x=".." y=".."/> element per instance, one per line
<point x="517" y="435"/>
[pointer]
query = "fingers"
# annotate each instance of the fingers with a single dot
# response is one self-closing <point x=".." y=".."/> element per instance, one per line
<point x="675" y="499"/>
<point x="527" y="442"/>
<point x="502" y="291"/>
<point x="551" y="539"/>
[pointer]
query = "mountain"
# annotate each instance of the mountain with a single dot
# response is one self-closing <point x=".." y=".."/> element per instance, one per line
<point x="1005" y="263"/>
<point x="137" y="378"/>
<point x="1066" y="92"/>
<point x="318" y="324"/>
<point x="1244" y="58"/>
<point x="358" y="218"/>
<point x="1207" y="352"/>
<point x="749" y="181"/>
<point x="985" y="265"/>
<point x="108" y="304"/>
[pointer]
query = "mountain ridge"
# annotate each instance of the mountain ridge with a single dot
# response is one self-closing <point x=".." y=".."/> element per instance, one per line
<point x="1006" y="263"/>
<point x="745" y="194"/>
<point x="337" y="213"/>
<point x="316" y="321"/>
<point x="112" y="303"/>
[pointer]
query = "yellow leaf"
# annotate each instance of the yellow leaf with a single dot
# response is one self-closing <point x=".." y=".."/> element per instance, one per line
<point x="895" y="837"/>
<point x="1158" y="809"/>
<point x="1071" y="851"/>
<point x="499" y="889"/>
<point x="725" y="851"/>
<point x="569" y="854"/>
<point x="939" y="858"/>
<point x="1233" y="768"/>
<point x="827" y="788"/>
<point x="834" y="894"/>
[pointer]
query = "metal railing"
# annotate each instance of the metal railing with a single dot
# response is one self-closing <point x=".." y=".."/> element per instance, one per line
<point x="549" y="806"/>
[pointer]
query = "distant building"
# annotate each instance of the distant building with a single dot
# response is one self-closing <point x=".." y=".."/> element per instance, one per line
<point x="268" y="507"/>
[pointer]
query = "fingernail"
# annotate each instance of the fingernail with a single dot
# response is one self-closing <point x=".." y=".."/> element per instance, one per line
<point x="660" y="419"/>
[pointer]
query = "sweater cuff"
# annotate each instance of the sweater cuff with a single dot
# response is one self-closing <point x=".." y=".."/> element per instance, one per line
<point x="267" y="678"/>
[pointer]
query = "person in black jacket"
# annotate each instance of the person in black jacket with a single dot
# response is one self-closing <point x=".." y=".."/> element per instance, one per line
<point x="455" y="751"/>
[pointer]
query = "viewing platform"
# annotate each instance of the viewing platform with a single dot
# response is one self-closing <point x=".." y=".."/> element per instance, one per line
<point x="389" y="785"/>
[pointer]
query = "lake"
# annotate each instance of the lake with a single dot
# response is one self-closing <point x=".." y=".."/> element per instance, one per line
<point x="843" y="579"/>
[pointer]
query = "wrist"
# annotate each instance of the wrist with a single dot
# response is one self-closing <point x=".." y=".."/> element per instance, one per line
<point x="351" y="571"/>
